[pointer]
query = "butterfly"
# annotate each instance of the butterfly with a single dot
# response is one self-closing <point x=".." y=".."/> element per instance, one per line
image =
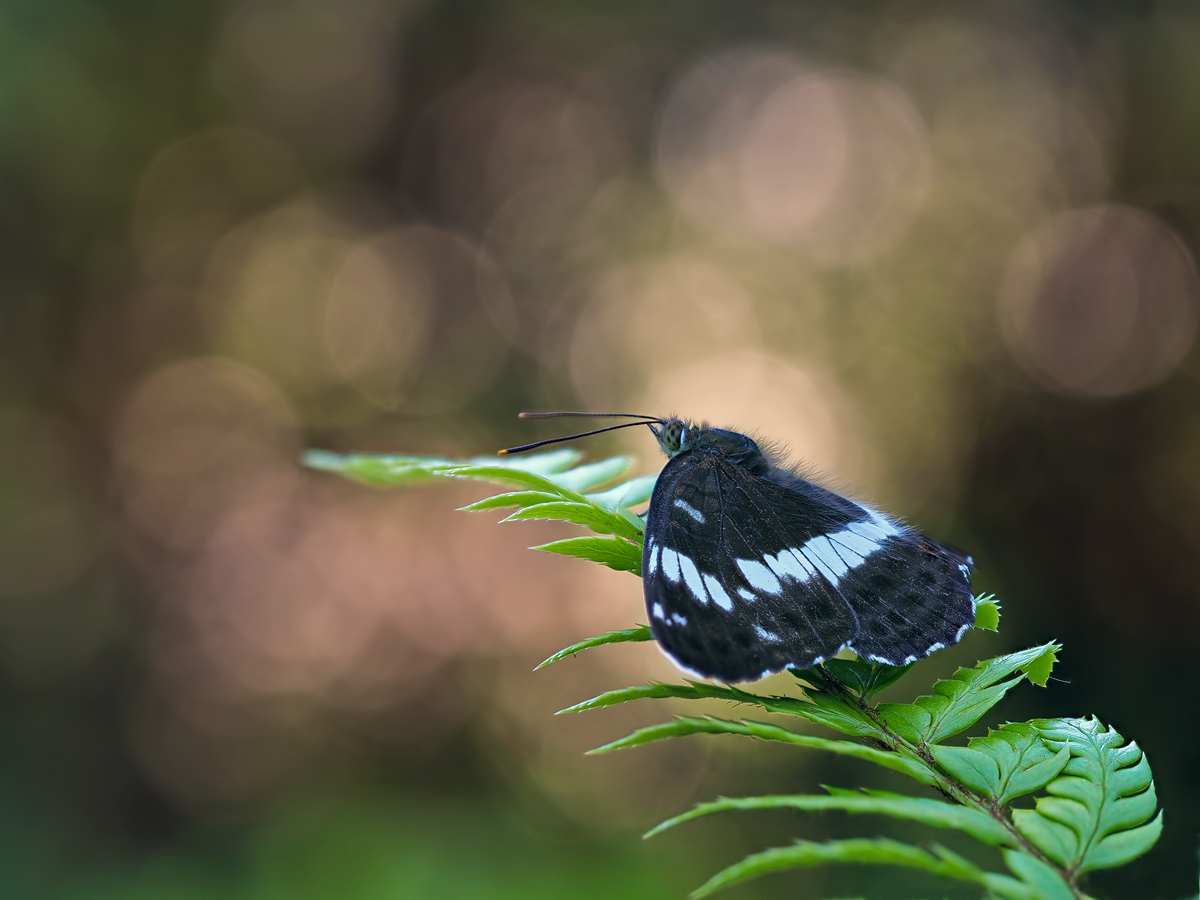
<point x="750" y="569"/>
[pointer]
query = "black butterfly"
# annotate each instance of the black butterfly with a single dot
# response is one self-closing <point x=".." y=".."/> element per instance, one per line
<point x="749" y="569"/>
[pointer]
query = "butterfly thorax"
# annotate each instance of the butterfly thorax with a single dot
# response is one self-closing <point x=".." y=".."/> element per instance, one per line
<point x="677" y="436"/>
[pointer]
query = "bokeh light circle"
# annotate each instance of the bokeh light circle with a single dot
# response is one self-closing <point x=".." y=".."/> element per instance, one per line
<point x="655" y="317"/>
<point x="834" y="165"/>
<point x="1101" y="301"/>
<point x="197" y="188"/>
<point x="193" y="437"/>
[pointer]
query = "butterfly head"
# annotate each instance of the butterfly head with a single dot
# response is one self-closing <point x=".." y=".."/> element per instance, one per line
<point x="676" y="436"/>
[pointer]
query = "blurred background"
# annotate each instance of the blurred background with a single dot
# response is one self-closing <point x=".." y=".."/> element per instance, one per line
<point x="944" y="253"/>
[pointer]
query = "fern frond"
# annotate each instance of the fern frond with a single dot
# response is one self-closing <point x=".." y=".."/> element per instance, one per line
<point x="1096" y="815"/>
<point x="550" y="486"/>
<point x="1094" y="798"/>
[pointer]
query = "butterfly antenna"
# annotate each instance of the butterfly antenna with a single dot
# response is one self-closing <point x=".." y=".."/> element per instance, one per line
<point x="571" y="437"/>
<point x="584" y="415"/>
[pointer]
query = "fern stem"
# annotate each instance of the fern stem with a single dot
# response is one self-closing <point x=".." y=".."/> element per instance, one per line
<point x="947" y="786"/>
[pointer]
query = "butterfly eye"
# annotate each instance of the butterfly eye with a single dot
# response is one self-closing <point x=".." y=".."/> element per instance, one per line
<point x="673" y="436"/>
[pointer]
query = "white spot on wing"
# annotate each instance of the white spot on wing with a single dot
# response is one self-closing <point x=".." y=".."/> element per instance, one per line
<point x="670" y="564"/>
<point x="766" y="635"/>
<point x="789" y="565"/>
<point x="854" y="542"/>
<point x="849" y="557"/>
<point x="690" y="510"/>
<point x="678" y="619"/>
<point x="936" y="647"/>
<point x="961" y="632"/>
<point x="657" y="611"/>
<point x="717" y="592"/>
<point x="803" y="560"/>
<point x="760" y="577"/>
<point x="909" y="659"/>
<point x="691" y="576"/>
<point x="876" y="528"/>
<point x="868" y="531"/>
<point x="822" y="555"/>
<point x="748" y="595"/>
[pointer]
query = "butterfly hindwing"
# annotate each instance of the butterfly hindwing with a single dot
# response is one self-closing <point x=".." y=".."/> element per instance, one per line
<point x="913" y="599"/>
<point x="728" y="596"/>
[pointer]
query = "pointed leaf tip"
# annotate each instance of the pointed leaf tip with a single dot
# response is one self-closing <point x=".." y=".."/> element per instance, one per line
<point x="1038" y="670"/>
<point x="639" y="633"/>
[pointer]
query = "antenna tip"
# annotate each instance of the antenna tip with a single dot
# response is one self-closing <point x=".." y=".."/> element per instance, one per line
<point x="502" y="453"/>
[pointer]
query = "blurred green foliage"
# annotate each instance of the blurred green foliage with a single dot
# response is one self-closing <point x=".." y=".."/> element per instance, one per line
<point x="366" y="846"/>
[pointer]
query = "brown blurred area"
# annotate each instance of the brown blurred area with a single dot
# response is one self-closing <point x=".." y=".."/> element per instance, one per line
<point x="945" y="254"/>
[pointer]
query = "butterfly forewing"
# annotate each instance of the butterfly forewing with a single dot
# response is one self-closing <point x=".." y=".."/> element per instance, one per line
<point x="728" y="596"/>
<point x="745" y="576"/>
